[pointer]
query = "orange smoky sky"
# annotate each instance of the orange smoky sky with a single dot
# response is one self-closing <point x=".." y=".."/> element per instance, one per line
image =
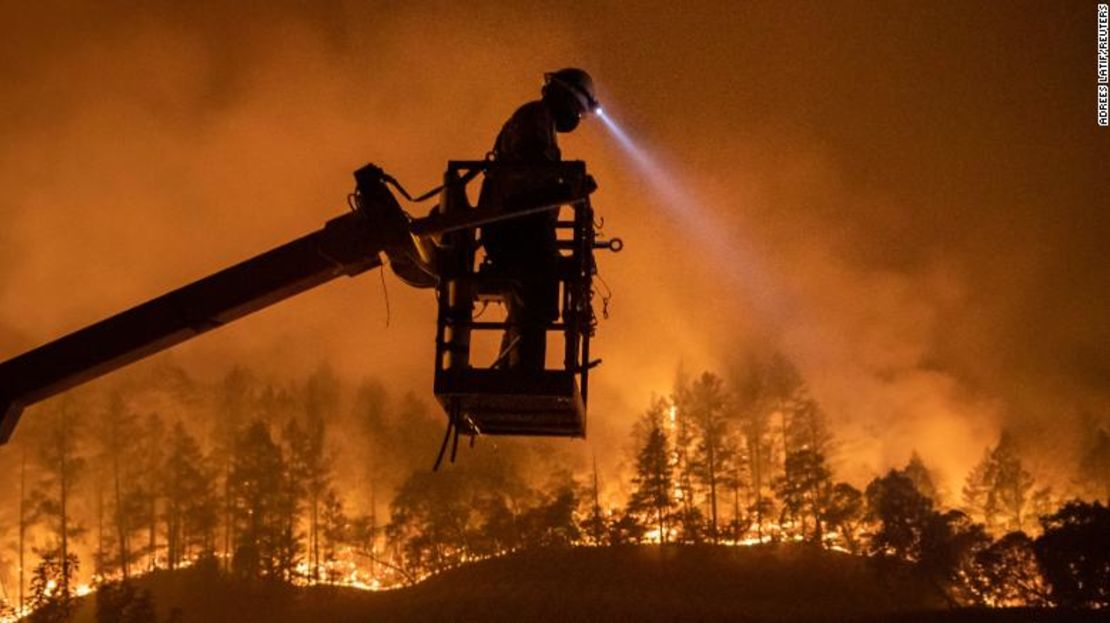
<point x="917" y="191"/>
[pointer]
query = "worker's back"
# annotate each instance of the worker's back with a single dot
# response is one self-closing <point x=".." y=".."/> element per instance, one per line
<point x="528" y="137"/>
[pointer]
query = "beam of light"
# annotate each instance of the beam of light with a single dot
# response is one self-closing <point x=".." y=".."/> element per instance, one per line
<point x="712" y="235"/>
<point x="659" y="178"/>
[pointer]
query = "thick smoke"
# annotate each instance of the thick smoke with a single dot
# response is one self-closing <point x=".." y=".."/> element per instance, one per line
<point x="920" y="204"/>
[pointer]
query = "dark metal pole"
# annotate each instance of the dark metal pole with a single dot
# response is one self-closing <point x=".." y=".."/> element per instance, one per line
<point x="347" y="245"/>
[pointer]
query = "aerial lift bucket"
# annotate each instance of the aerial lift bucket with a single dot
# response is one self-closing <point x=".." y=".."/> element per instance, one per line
<point x="490" y="399"/>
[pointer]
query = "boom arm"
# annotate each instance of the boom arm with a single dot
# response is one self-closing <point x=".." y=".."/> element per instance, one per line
<point x="347" y="245"/>
<point x="344" y="246"/>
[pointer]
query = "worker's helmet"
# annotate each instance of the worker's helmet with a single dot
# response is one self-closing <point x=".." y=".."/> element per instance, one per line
<point x="571" y="92"/>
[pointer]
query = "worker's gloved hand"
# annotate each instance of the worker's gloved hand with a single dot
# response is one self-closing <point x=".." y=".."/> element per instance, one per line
<point x="591" y="184"/>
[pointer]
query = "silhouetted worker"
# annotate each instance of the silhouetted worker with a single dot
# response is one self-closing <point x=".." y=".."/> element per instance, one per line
<point x="524" y="249"/>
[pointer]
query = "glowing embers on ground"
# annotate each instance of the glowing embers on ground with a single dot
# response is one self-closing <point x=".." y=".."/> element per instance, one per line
<point x="354" y="569"/>
<point x="345" y="570"/>
<point x="773" y="532"/>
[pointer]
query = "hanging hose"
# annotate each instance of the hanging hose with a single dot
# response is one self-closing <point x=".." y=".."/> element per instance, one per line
<point x="455" y="445"/>
<point x="505" y="352"/>
<point x="443" y="446"/>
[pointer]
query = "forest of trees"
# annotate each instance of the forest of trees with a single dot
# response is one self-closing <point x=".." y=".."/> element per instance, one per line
<point x="287" y="482"/>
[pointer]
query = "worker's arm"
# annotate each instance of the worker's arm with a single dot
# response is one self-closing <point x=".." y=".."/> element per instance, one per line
<point x="529" y="136"/>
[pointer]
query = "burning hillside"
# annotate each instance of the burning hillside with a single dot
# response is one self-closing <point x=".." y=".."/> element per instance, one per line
<point x="248" y="479"/>
<point x="644" y="583"/>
